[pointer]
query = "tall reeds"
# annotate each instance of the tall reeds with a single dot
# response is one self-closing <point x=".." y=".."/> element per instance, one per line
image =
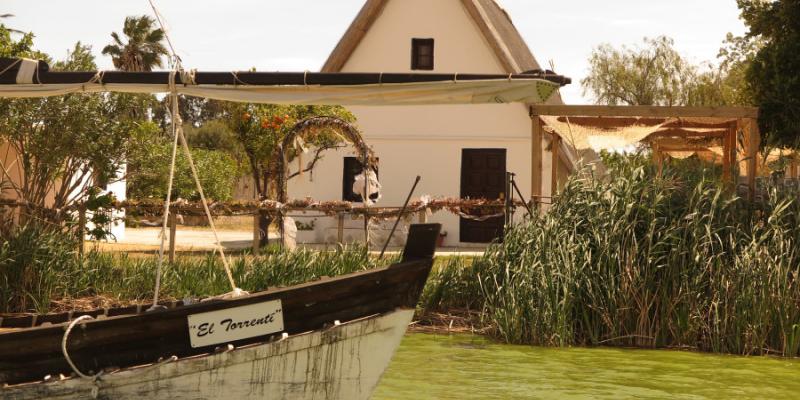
<point x="643" y="260"/>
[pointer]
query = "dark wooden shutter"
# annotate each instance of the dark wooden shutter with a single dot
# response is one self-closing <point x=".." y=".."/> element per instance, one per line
<point x="422" y="54"/>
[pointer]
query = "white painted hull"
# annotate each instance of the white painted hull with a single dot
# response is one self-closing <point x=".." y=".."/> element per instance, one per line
<point x="342" y="362"/>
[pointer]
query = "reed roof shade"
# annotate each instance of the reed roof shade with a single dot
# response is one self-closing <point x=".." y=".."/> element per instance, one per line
<point x="726" y="135"/>
<point x="19" y="80"/>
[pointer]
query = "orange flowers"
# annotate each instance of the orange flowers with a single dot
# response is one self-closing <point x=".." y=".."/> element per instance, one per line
<point x="246" y="116"/>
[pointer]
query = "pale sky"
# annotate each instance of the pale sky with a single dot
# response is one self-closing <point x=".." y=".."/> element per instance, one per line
<point x="297" y="35"/>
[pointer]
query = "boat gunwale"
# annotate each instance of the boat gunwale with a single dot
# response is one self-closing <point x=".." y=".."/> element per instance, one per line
<point x="206" y="304"/>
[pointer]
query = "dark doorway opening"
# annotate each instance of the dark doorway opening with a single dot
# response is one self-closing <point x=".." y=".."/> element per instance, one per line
<point x="483" y="174"/>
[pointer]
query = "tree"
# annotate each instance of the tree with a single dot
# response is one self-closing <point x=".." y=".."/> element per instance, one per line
<point x="149" y="162"/>
<point x="143" y="49"/>
<point x="4" y="16"/>
<point x="773" y="74"/>
<point x="655" y="74"/>
<point x="64" y="145"/>
<point x="262" y="128"/>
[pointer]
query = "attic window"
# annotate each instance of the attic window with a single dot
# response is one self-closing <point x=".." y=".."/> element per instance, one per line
<point x="422" y="54"/>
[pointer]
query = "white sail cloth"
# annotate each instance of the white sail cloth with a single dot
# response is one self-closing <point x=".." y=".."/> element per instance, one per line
<point x="418" y="93"/>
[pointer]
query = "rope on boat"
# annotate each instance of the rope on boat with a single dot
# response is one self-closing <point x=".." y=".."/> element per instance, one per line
<point x="75" y="369"/>
<point x="177" y="131"/>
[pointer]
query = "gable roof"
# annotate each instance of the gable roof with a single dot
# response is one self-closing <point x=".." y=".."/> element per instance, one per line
<point x="493" y="22"/>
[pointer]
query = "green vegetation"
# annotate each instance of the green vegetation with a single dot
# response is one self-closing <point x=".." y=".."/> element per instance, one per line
<point x="772" y="74"/>
<point x="39" y="267"/>
<point x="644" y="261"/>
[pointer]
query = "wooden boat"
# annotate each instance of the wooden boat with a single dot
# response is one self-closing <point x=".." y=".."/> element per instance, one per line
<point x="328" y="339"/>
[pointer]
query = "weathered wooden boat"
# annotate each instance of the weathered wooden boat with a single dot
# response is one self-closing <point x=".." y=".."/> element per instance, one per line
<point x="328" y="339"/>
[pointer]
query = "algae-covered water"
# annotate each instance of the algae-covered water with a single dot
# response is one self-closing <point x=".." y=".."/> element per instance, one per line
<point x="471" y="367"/>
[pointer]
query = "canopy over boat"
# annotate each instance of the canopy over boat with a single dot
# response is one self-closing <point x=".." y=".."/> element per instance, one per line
<point x="21" y="78"/>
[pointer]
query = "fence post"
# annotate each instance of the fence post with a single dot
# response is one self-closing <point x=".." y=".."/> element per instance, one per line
<point x="173" y="231"/>
<point x="81" y="228"/>
<point x="340" y="229"/>
<point x="256" y="233"/>
<point x="423" y="216"/>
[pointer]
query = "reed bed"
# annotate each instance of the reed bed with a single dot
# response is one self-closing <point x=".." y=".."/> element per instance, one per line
<point x="641" y="260"/>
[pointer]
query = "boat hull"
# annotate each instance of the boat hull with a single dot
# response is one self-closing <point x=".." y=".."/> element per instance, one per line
<point x="342" y="362"/>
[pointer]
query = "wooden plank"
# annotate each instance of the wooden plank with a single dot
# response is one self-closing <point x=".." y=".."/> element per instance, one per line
<point x="555" y="160"/>
<point x="644" y="111"/>
<point x="536" y="158"/>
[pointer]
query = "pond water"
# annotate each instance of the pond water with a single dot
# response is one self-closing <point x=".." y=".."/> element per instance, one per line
<point x="471" y="367"/>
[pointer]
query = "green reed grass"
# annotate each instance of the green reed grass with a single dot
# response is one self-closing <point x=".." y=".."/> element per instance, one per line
<point x="39" y="266"/>
<point x="642" y="260"/>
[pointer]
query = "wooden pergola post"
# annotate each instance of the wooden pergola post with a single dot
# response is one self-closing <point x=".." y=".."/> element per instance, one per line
<point x="752" y="143"/>
<point x="658" y="157"/>
<point x="555" y="145"/>
<point x="727" y="160"/>
<point x="536" y="159"/>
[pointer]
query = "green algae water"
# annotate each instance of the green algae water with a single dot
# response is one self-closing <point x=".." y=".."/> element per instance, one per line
<point x="471" y="367"/>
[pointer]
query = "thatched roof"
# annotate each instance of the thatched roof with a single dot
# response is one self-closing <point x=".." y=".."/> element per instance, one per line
<point x="492" y="20"/>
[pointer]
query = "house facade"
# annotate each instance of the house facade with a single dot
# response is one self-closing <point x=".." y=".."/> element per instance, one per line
<point x="459" y="151"/>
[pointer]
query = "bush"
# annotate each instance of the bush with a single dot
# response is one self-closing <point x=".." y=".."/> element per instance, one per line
<point x="642" y="260"/>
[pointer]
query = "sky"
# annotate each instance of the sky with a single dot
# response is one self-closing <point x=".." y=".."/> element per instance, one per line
<point x="298" y="35"/>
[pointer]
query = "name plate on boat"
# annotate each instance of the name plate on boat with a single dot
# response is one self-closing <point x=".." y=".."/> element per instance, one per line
<point x="236" y="323"/>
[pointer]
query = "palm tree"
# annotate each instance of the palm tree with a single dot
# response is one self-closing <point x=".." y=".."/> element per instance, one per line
<point x="144" y="48"/>
<point x="12" y="30"/>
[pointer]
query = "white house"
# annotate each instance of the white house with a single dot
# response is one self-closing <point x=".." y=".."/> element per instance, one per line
<point x="459" y="150"/>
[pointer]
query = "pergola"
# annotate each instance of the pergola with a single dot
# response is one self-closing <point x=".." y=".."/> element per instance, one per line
<point x="670" y="131"/>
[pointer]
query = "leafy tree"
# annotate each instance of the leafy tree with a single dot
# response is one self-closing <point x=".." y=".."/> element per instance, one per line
<point x="63" y="145"/>
<point x="262" y="128"/>
<point x="218" y="175"/>
<point x="773" y="73"/>
<point x="655" y="74"/>
<point x="215" y="135"/>
<point x="143" y="49"/>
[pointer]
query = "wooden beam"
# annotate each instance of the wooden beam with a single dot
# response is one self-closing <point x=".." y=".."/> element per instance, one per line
<point x="752" y="144"/>
<point x="555" y="146"/>
<point x="8" y="76"/>
<point x="536" y="158"/>
<point x="644" y="111"/>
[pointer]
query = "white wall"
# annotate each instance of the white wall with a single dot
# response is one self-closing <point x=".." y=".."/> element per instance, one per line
<point x="426" y="140"/>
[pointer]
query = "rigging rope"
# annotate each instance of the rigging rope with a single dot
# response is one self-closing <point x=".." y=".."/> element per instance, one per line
<point x="175" y="113"/>
<point x="177" y="131"/>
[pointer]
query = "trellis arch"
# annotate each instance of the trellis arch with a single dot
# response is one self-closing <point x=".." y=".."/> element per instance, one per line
<point x="345" y="129"/>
